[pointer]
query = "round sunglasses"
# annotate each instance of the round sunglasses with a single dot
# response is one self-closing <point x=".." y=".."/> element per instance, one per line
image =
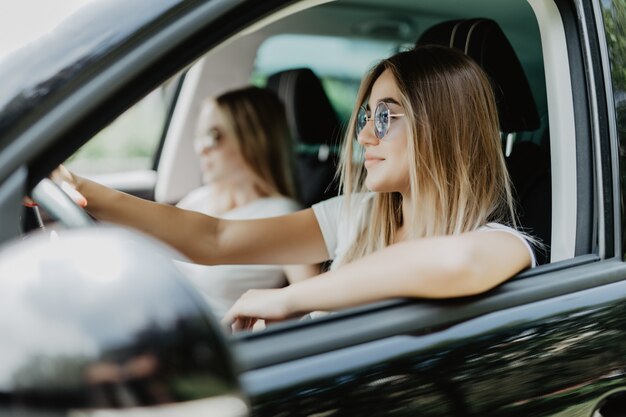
<point x="207" y="141"/>
<point x="382" y="119"/>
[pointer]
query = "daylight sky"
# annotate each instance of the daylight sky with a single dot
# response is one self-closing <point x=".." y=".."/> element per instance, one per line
<point x="26" y="20"/>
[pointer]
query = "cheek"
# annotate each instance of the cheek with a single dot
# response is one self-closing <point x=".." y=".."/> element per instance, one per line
<point x="396" y="170"/>
<point x="398" y="154"/>
<point x="390" y="176"/>
<point x="219" y="160"/>
<point x="233" y="158"/>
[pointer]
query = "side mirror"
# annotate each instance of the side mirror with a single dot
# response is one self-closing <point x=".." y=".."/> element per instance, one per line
<point x="101" y="322"/>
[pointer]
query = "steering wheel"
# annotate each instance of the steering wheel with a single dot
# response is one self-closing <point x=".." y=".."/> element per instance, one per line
<point x="60" y="206"/>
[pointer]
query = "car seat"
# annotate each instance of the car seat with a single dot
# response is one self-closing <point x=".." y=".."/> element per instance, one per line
<point x="316" y="130"/>
<point x="528" y="163"/>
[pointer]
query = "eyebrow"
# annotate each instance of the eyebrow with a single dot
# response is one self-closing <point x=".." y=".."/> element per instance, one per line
<point x="385" y="100"/>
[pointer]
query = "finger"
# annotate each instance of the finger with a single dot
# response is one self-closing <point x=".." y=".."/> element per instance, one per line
<point x="228" y="318"/>
<point x="60" y="174"/>
<point x="250" y="322"/>
<point x="77" y="197"/>
<point x="238" y="325"/>
<point x="28" y="202"/>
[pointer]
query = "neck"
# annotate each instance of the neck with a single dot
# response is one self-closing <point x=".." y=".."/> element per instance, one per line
<point x="401" y="232"/>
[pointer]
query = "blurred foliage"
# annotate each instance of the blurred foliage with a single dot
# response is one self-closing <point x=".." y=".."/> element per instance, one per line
<point x="615" y="27"/>
<point x="614" y="14"/>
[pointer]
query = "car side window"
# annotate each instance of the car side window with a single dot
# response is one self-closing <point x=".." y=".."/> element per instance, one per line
<point x="130" y="142"/>
<point x="338" y="62"/>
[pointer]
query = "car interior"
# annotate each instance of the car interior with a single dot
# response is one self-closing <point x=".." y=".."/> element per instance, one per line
<point x="313" y="54"/>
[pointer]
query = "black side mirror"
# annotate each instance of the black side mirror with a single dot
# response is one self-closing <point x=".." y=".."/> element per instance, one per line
<point x="101" y="319"/>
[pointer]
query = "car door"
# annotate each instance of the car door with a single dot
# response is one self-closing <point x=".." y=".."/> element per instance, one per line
<point x="549" y="343"/>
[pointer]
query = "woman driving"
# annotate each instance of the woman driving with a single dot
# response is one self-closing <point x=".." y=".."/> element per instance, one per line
<point x="426" y="209"/>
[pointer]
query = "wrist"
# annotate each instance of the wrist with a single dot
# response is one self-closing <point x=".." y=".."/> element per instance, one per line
<point x="292" y="305"/>
<point x="308" y="295"/>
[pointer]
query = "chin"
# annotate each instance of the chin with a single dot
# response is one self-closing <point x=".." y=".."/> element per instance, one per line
<point x="383" y="186"/>
<point x="376" y="186"/>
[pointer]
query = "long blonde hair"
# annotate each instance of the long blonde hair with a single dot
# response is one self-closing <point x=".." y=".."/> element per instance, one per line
<point x="257" y="118"/>
<point x="457" y="173"/>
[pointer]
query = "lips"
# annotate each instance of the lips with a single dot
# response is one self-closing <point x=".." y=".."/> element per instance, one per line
<point x="372" y="159"/>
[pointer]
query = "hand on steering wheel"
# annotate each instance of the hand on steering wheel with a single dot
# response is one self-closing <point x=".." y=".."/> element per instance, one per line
<point x="61" y="199"/>
<point x="67" y="182"/>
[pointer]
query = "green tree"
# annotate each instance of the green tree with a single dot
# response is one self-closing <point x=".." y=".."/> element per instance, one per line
<point x="615" y="28"/>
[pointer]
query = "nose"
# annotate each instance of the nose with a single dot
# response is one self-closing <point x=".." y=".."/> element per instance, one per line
<point x="204" y="151"/>
<point x="201" y="149"/>
<point x="367" y="136"/>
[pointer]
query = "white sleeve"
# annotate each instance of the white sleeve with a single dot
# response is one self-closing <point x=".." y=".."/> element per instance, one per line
<point x="490" y="227"/>
<point x="195" y="200"/>
<point x="327" y="214"/>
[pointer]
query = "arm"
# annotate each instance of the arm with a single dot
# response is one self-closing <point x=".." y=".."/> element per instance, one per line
<point x="297" y="273"/>
<point x="291" y="239"/>
<point x="443" y="267"/>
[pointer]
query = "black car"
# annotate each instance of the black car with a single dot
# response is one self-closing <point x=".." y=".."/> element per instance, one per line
<point x="550" y="342"/>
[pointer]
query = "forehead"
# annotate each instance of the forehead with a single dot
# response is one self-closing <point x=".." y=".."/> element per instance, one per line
<point x="384" y="87"/>
<point x="210" y="116"/>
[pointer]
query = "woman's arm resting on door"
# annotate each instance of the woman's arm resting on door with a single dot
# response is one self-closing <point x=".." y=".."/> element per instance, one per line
<point x="443" y="267"/>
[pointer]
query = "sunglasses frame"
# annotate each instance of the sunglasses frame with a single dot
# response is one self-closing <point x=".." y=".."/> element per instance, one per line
<point x="381" y="105"/>
<point x="207" y="141"/>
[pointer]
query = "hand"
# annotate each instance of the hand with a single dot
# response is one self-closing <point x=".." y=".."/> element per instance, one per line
<point x="270" y="305"/>
<point x="69" y="184"/>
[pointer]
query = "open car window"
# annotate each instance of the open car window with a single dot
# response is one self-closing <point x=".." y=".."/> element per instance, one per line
<point x="258" y="54"/>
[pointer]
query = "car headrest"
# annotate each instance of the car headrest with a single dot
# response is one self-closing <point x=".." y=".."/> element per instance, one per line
<point x="484" y="41"/>
<point x="311" y="118"/>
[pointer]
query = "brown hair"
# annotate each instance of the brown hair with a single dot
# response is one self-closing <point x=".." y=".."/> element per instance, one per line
<point x="457" y="173"/>
<point x="257" y="118"/>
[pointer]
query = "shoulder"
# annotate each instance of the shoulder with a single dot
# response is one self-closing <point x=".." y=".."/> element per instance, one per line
<point x="265" y="207"/>
<point x="331" y="205"/>
<point x="357" y="201"/>
<point x="194" y="199"/>
<point x="527" y="240"/>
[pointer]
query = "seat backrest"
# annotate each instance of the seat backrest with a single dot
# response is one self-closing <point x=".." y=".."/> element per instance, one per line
<point x="528" y="163"/>
<point x="484" y="41"/>
<point x="316" y="130"/>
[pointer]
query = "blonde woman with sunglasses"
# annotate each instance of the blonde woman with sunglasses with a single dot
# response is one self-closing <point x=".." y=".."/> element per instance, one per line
<point x="243" y="143"/>
<point x="426" y="209"/>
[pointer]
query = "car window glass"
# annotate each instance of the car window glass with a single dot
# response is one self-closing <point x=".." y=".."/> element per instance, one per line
<point x="338" y="62"/>
<point x="614" y="14"/>
<point x="131" y="141"/>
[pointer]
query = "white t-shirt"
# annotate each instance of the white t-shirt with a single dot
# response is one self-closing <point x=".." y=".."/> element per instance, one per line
<point x="222" y="285"/>
<point x="339" y="234"/>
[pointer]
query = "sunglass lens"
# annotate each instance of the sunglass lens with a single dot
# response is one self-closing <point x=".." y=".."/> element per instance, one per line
<point x="381" y="120"/>
<point x="207" y="141"/>
<point x="361" y="120"/>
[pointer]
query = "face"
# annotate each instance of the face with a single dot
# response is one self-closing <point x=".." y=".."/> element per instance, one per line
<point x="386" y="159"/>
<point x="220" y="157"/>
